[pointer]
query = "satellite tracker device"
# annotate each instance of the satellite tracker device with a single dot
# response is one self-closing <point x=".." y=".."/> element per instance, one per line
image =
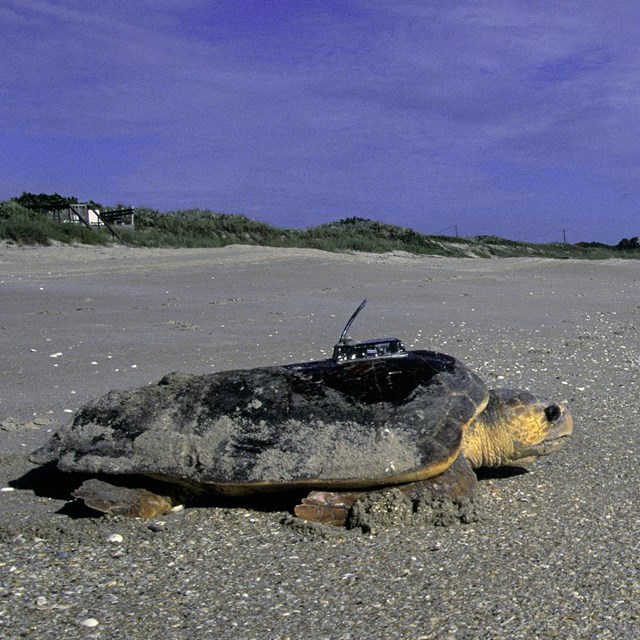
<point x="347" y="350"/>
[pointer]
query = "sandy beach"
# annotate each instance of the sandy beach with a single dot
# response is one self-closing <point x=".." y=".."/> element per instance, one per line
<point x="554" y="554"/>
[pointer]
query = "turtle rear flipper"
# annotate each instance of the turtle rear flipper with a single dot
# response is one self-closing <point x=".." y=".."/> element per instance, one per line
<point x="122" y="501"/>
<point x="335" y="507"/>
<point x="327" y="507"/>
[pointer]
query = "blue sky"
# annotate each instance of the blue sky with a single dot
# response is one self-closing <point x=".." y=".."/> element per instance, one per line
<point x="517" y="119"/>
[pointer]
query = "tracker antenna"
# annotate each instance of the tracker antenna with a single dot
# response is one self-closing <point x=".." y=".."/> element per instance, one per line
<point x="343" y="335"/>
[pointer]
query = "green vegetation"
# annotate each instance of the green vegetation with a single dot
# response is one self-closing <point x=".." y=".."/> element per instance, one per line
<point x="22" y="226"/>
<point x="197" y="228"/>
<point x="23" y="221"/>
<point x="48" y="201"/>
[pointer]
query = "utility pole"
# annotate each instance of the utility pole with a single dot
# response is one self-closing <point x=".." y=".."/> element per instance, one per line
<point x="564" y="236"/>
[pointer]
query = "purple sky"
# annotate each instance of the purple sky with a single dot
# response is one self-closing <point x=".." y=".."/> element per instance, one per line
<point x="517" y="119"/>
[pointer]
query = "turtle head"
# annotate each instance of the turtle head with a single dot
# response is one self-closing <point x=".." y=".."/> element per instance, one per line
<point x="516" y="428"/>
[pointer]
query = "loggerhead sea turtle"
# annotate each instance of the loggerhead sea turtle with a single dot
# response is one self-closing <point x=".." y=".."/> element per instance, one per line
<point x="373" y="417"/>
<point x="419" y="422"/>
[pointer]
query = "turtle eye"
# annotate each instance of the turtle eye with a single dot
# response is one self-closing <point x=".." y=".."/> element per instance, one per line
<point x="552" y="412"/>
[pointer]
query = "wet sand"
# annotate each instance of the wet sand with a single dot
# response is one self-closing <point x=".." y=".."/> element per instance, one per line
<point x="554" y="554"/>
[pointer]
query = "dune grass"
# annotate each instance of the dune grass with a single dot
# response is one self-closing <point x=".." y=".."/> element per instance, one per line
<point x="23" y="227"/>
<point x="203" y="228"/>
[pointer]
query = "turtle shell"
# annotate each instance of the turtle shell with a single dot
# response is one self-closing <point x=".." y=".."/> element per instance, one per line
<point x="359" y="424"/>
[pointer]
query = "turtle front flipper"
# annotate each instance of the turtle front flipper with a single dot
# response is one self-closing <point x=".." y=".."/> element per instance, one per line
<point x="122" y="501"/>
<point x="327" y="507"/>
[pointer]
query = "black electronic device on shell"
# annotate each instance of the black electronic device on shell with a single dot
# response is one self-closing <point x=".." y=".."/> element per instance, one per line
<point x="347" y="350"/>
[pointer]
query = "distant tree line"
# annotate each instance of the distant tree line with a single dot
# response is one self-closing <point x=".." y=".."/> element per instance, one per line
<point x="628" y="244"/>
<point x="47" y="201"/>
